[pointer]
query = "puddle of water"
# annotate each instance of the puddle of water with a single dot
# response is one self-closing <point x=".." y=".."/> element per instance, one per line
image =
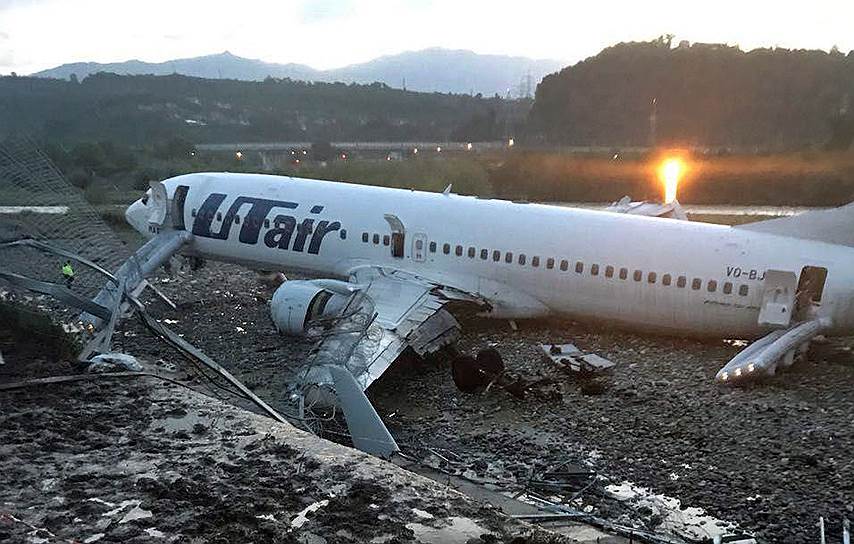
<point x="178" y="423"/>
<point x="49" y="210"/>
<point x="688" y="522"/>
<point x="460" y="530"/>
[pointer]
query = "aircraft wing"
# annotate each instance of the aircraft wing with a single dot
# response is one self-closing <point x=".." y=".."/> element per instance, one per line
<point x="388" y="312"/>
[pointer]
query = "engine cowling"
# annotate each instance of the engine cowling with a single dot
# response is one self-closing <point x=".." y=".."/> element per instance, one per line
<point x="296" y="303"/>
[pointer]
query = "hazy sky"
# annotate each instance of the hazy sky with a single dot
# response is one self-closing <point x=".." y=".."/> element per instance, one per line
<point x="38" y="34"/>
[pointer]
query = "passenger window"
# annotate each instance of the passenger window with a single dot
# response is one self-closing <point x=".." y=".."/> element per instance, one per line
<point x="365" y="237"/>
<point x="496" y="255"/>
<point x="712" y="286"/>
<point x="742" y="290"/>
<point x="521" y="258"/>
<point x="650" y="278"/>
<point x="376" y="238"/>
<point x="236" y="219"/>
<point x="594" y="269"/>
<point x="484" y="253"/>
<point x="681" y="281"/>
<point x="665" y="280"/>
<point x="458" y="251"/>
<point x="727" y="288"/>
<point x="579" y="267"/>
<point x="535" y="261"/>
<point x="446" y="249"/>
<point x="343" y="235"/>
<point x="508" y="257"/>
<point x="472" y="252"/>
<point x="193" y="212"/>
<point x="219" y="216"/>
<point x="550" y="263"/>
<point x="696" y="283"/>
<point x="419" y="244"/>
<point x="637" y="275"/>
<point x="386" y="239"/>
<point x="624" y="273"/>
<point x="609" y="271"/>
<point x="564" y="265"/>
<point x="267" y="226"/>
<point x="432" y="247"/>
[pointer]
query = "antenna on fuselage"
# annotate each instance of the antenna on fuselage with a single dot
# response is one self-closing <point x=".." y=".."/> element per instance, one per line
<point x="447" y="190"/>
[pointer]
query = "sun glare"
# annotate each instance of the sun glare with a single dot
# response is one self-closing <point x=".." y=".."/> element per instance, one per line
<point x="671" y="170"/>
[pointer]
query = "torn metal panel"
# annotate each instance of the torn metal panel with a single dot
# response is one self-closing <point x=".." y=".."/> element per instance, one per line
<point x="389" y="312"/>
<point x="573" y="359"/>
<point x="139" y="266"/>
<point x="367" y="430"/>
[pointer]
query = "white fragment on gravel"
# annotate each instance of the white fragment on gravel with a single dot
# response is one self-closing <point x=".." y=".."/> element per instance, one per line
<point x="102" y="501"/>
<point x="94" y="538"/>
<point x="136" y="513"/>
<point x="154" y="533"/>
<point x="422" y="513"/>
<point x="120" y="507"/>
<point x="302" y="518"/>
<point x="268" y="517"/>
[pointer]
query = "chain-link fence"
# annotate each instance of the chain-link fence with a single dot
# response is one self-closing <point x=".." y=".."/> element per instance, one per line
<point x="38" y="203"/>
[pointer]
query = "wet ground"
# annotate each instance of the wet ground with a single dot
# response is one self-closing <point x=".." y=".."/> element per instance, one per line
<point x="772" y="457"/>
<point x="139" y="459"/>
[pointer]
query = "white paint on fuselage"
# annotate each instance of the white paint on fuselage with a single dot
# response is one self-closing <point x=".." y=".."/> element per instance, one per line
<point x="662" y="246"/>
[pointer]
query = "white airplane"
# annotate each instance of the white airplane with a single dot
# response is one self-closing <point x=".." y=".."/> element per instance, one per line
<point x="405" y="254"/>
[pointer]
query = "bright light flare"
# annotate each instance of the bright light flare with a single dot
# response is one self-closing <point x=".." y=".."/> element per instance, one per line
<point x="671" y="170"/>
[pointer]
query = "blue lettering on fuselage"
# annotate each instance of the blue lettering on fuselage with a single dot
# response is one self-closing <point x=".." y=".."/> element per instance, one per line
<point x="278" y="236"/>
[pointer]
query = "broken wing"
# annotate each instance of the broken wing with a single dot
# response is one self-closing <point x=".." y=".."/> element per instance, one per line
<point x="388" y="312"/>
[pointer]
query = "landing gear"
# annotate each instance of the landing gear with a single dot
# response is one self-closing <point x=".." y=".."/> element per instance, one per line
<point x="472" y="373"/>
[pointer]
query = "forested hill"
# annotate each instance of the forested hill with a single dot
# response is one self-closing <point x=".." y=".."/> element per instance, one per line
<point x="141" y="109"/>
<point x="705" y="95"/>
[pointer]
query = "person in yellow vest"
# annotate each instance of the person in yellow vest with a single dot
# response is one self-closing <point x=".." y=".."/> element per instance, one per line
<point x="68" y="273"/>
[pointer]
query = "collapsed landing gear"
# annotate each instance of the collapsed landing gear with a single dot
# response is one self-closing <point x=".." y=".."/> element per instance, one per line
<point x="471" y="374"/>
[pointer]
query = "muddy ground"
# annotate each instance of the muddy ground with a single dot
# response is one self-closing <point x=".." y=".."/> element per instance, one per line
<point x="139" y="459"/>
<point x="772" y="457"/>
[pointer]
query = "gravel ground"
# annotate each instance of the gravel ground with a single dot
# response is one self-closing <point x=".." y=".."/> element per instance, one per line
<point x="772" y="457"/>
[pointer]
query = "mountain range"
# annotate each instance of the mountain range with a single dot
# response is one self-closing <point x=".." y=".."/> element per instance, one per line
<point x="428" y="70"/>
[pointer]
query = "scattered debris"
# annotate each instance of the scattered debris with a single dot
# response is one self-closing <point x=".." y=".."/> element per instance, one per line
<point x="574" y="360"/>
<point x="114" y="362"/>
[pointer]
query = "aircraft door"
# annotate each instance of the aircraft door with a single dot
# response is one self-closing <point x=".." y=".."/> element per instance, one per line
<point x="419" y="247"/>
<point x="178" y="200"/>
<point x="398" y="235"/>
<point x="778" y="298"/>
<point x="810" y="289"/>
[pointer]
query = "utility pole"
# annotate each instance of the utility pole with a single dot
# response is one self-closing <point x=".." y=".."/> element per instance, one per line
<point x="653" y="124"/>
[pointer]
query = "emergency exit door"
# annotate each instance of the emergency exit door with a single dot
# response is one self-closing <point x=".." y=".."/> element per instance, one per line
<point x="419" y="247"/>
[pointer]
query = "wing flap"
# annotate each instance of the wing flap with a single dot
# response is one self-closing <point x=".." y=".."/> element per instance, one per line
<point x="405" y="312"/>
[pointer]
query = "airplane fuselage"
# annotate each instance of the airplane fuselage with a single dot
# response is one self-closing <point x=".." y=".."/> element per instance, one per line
<point x="528" y="260"/>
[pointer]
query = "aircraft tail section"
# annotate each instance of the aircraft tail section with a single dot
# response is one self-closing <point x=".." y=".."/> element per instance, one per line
<point x="834" y="226"/>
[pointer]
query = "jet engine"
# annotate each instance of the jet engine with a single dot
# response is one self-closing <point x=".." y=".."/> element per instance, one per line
<point x="296" y="303"/>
